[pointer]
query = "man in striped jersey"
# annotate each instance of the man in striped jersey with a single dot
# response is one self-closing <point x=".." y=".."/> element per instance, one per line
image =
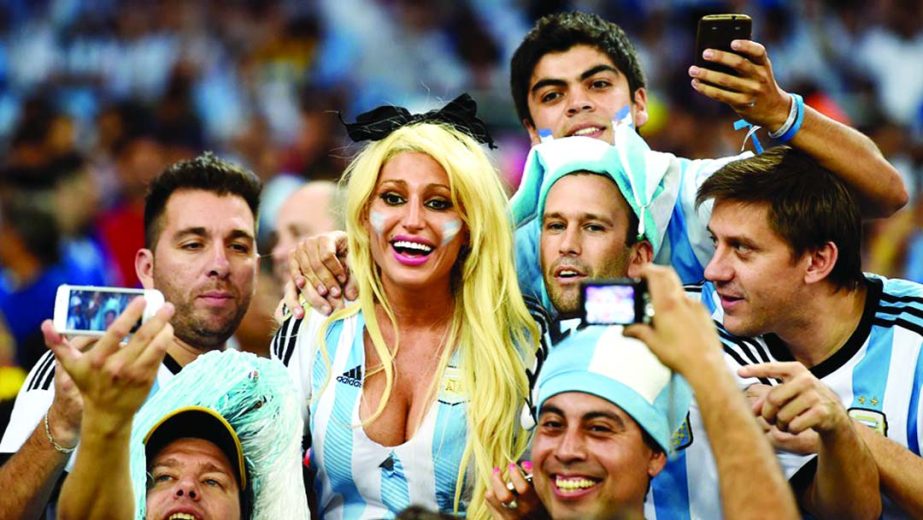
<point x="199" y="231"/>
<point x="836" y="352"/>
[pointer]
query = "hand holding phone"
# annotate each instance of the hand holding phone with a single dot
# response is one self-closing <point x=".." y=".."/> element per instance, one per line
<point x="717" y="31"/>
<point x="82" y="310"/>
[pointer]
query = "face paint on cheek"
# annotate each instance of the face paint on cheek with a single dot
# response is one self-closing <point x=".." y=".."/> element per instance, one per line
<point x="450" y="229"/>
<point x="377" y="220"/>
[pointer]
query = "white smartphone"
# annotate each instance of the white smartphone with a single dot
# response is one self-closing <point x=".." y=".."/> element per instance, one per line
<point x="83" y="310"/>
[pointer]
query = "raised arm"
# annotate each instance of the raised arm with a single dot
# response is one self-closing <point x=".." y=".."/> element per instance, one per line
<point x="756" y="97"/>
<point x="114" y="382"/>
<point x="30" y="475"/>
<point x="685" y="340"/>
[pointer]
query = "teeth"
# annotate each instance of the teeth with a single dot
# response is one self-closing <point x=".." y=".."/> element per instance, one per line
<point x="413" y="245"/>
<point x="568" y="272"/>
<point x="181" y="516"/>
<point x="586" y="131"/>
<point x="573" y="483"/>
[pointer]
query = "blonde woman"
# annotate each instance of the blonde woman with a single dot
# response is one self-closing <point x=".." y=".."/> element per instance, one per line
<point x="413" y="393"/>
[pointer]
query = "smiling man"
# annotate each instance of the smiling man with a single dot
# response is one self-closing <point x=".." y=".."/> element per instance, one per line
<point x="609" y="406"/>
<point x="200" y="253"/>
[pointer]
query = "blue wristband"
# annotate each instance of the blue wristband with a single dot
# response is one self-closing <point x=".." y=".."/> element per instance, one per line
<point x="799" y="118"/>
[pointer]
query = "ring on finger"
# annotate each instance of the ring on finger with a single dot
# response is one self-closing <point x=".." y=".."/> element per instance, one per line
<point x="512" y="504"/>
<point x="510" y="486"/>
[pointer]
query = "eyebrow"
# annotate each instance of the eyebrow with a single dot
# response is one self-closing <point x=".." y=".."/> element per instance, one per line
<point x="202" y="232"/>
<point x="581" y="216"/>
<point x="556" y="82"/>
<point x="205" y="467"/>
<point x="589" y="416"/>
<point x="403" y="183"/>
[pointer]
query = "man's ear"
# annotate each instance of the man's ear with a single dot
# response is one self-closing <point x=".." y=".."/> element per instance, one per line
<point x="144" y="267"/>
<point x="656" y="463"/>
<point x="533" y="133"/>
<point x="820" y="262"/>
<point x="639" y="107"/>
<point x="642" y="252"/>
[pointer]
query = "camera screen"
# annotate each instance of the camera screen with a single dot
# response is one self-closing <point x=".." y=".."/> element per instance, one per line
<point x="96" y="310"/>
<point x="609" y="304"/>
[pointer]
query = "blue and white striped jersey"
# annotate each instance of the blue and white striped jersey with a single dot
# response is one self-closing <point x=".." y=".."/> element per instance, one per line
<point x="355" y="477"/>
<point x="877" y="373"/>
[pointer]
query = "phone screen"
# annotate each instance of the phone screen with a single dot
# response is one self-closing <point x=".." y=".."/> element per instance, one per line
<point x="94" y="311"/>
<point x="609" y="304"/>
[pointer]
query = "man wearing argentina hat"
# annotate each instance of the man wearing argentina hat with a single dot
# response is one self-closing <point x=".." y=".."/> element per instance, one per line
<point x="608" y="407"/>
<point x="658" y="192"/>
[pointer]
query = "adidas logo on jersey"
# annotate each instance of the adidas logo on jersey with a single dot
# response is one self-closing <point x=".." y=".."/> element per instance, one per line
<point x="352" y="377"/>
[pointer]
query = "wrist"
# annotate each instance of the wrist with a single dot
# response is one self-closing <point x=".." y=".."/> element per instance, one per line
<point x="100" y="423"/>
<point x="62" y="431"/>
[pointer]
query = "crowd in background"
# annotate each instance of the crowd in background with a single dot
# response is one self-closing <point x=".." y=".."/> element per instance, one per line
<point x="98" y="96"/>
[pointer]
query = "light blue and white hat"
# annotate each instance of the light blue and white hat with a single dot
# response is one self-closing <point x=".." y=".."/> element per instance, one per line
<point x="256" y="398"/>
<point x="601" y="361"/>
<point x="629" y="162"/>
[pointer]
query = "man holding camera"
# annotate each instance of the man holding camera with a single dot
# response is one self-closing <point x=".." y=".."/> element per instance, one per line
<point x="608" y="409"/>
<point x="200" y="233"/>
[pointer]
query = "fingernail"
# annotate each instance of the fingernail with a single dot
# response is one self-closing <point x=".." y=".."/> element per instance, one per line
<point x="335" y="291"/>
<point x="325" y="309"/>
<point x="694" y="71"/>
<point x="342" y="278"/>
<point x="527" y="465"/>
<point x="300" y="282"/>
<point x="512" y="466"/>
<point x="321" y="290"/>
<point x="496" y="471"/>
<point x="708" y="53"/>
<point x="736" y="45"/>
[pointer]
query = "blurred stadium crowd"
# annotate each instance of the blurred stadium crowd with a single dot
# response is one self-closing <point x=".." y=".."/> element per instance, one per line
<point x="98" y="96"/>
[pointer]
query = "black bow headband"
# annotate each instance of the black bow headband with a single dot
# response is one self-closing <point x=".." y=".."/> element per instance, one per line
<point x="378" y="123"/>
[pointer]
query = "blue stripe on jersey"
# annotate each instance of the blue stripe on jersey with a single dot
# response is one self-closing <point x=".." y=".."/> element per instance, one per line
<point x="682" y="256"/>
<point x="447" y="454"/>
<point x="394" y="492"/>
<point x="870" y="376"/>
<point x="338" y="436"/>
<point x="671" y="490"/>
<point x="913" y="441"/>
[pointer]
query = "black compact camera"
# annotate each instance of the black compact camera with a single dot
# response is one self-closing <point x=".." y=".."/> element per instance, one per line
<point x="620" y="301"/>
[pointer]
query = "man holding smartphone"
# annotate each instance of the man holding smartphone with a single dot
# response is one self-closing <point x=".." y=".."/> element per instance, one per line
<point x="200" y="253"/>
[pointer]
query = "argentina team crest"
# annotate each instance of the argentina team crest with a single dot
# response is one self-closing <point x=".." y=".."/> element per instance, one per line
<point x="451" y="389"/>
<point x="682" y="437"/>
<point x="872" y="418"/>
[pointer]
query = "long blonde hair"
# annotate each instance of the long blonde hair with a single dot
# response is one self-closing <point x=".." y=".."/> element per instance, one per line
<point x="493" y="330"/>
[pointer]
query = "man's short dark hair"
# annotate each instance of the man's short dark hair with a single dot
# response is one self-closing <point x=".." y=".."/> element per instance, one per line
<point x="808" y="205"/>
<point x="207" y="173"/>
<point x="559" y="32"/>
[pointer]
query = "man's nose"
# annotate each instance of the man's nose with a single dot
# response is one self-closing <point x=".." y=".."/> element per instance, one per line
<point x="718" y="269"/>
<point x="579" y="101"/>
<point x="570" y="242"/>
<point x="187" y="488"/>
<point x="572" y="447"/>
<point x="220" y="266"/>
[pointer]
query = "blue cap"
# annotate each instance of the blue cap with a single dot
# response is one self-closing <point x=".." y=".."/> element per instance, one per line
<point x="601" y="361"/>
